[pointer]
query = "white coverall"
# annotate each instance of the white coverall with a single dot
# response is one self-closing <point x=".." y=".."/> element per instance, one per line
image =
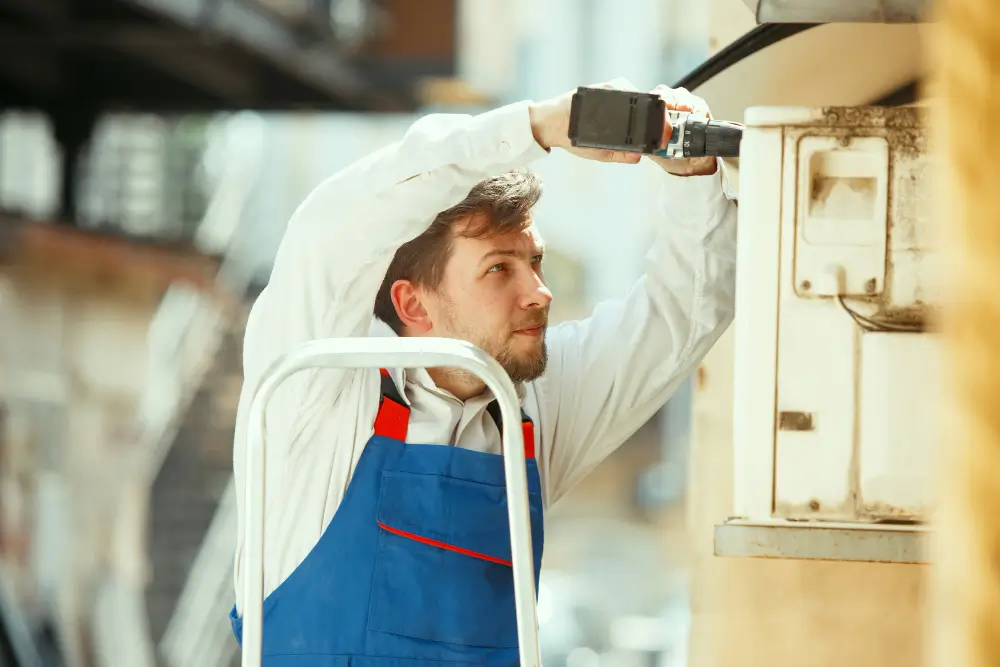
<point x="606" y="376"/>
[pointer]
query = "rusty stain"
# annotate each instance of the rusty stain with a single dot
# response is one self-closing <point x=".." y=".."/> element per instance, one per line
<point x="795" y="421"/>
<point x="867" y="512"/>
<point x="908" y="143"/>
<point x="911" y="207"/>
<point x="901" y="127"/>
<point x="814" y="510"/>
<point x="870" y="285"/>
<point x="917" y="314"/>
<point x="884" y="512"/>
<point x="700" y="378"/>
<point x="909" y="238"/>
<point x="874" y="117"/>
<point x="900" y="522"/>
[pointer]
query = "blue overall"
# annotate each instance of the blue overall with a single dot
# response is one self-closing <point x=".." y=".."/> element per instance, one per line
<point x="415" y="566"/>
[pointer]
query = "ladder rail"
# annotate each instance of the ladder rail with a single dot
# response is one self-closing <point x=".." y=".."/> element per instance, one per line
<point x="358" y="353"/>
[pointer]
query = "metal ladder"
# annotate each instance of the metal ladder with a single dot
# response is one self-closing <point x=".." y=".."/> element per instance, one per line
<point x="357" y="353"/>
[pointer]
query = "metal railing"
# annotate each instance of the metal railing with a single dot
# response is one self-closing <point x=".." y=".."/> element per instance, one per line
<point x="198" y="633"/>
<point x="141" y="176"/>
<point x="191" y="328"/>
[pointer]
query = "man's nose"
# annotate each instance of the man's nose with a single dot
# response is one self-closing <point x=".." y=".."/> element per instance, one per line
<point x="537" y="294"/>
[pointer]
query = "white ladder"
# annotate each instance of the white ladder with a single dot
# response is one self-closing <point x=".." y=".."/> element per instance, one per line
<point x="392" y="353"/>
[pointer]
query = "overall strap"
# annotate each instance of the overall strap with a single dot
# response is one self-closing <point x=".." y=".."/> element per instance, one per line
<point x="393" y="418"/>
<point x="527" y="427"/>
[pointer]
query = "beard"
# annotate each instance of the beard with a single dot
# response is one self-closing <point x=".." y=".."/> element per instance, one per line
<point x="526" y="367"/>
<point x="520" y="366"/>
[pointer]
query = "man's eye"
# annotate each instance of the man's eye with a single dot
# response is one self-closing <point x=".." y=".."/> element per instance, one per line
<point x="495" y="268"/>
<point x="537" y="259"/>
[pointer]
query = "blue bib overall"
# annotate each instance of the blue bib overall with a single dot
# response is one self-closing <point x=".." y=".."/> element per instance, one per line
<point x="415" y="566"/>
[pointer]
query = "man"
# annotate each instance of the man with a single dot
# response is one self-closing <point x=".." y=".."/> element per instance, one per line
<point x="384" y="550"/>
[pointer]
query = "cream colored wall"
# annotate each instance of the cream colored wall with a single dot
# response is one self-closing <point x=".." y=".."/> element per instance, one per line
<point x="783" y="613"/>
<point x="728" y="20"/>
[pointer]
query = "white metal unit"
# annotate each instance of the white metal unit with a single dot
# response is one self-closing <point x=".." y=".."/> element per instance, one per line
<point x="839" y="11"/>
<point x="392" y="353"/>
<point x="835" y="375"/>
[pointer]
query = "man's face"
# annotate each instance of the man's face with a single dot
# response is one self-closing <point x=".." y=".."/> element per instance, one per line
<point x="493" y="295"/>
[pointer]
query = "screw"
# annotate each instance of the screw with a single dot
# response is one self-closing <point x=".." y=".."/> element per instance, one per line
<point x="814" y="505"/>
<point x="805" y="285"/>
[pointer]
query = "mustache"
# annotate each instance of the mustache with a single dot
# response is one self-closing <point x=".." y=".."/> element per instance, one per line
<point x="541" y="319"/>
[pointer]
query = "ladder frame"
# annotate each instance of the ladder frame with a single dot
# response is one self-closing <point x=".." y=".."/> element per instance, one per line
<point x="363" y="353"/>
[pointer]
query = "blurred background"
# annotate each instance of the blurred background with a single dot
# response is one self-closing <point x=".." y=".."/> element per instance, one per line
<point x="151" y="152"/>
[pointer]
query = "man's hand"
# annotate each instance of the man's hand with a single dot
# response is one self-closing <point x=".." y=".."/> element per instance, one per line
<point x="550" y="125"/>
<point x="681" y="99"/>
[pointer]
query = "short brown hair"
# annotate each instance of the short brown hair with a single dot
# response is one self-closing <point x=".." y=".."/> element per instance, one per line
<point x="502" y="203"/>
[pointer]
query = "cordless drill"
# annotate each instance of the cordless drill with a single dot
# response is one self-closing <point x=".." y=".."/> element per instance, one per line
<point x="634" y="122"/>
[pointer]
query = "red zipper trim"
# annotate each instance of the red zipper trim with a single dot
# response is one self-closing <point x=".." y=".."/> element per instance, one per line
<point x="444" y="545"/>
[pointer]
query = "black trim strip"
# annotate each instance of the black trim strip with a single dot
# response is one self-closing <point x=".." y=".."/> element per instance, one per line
<point x="897" y="11"/>
<point x="905" y="94"/>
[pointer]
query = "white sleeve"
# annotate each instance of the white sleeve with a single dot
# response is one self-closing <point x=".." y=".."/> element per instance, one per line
<point x="608" y="374"/>
<point x="339" y="244"/>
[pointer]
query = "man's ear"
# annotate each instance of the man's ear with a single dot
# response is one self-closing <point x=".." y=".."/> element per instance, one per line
<point x="406" y="298"/>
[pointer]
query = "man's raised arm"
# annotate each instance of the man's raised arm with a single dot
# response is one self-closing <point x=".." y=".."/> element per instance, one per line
<point x="608" y="374"/>
<point x="340" y="242"/>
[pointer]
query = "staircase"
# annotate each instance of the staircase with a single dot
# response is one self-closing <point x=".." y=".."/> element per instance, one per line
<point x="186" y="411"/>
<point x="192" y="481"/>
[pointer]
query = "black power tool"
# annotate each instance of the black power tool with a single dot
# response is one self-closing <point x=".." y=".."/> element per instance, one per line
<point x="622" y="120"/>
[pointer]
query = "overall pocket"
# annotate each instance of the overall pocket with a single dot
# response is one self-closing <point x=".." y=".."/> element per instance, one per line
<point x="443" y="570"/>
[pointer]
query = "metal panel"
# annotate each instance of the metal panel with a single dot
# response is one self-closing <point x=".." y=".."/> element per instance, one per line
<point x="816" y="541"/>
<point x="841" y="215"/>
<point x="756" y="341"/>
<point x="840" y="11"/>
<point x="899" y="385"/>
<point x="880" y="281"/>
